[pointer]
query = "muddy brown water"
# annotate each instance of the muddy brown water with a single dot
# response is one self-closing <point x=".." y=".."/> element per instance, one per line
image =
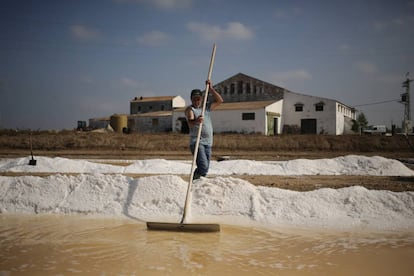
<point x="71" y="244"/>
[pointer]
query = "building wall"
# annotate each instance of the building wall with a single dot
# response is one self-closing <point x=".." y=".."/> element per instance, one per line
<point x="326" y="120"/>
<point x="231" y="121"/>
<point x="144" y="107"/>
<point x="178" y="102"/>
<point x="344" y="117"/>
<point x="243" y="88"/>
<point x="228" y="121"/>
<point x="149" y="124"/>
<point x="96" y="123"/>
<point x="275" y="110"/>
<point x="141" y="105"/>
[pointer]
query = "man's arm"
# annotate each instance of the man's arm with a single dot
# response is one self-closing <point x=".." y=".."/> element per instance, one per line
<point x="192" y="121"/>
<point x="218" y="100"/>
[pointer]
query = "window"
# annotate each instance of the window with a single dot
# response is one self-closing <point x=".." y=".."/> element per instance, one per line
<point x="225" y="90"/>
<point x="319" y="106"/>
<point x="248" y="88"/>
<point x="248" y="116"/>
<point x="232" y="88"/>
<point x="239" y="87"/>
<point x="299" y="107"/>
<point x="155" y="122"/>
<point x="162" y="107"/>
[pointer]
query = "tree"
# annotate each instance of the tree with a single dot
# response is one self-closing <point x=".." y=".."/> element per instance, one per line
<point x="355" y="126"/>
<point x="362" y="120"/>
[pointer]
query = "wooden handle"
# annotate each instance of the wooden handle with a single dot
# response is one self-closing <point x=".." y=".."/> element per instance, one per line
<point x="187" y="197"/>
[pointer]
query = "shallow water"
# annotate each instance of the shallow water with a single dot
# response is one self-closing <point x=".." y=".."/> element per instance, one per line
<point x="56" y="244"/>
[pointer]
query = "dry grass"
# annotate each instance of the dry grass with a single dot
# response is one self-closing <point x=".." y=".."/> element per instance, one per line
<point x="72" y="140"/>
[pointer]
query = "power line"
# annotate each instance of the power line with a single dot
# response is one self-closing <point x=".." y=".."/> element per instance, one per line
<point x="389" y="101"/>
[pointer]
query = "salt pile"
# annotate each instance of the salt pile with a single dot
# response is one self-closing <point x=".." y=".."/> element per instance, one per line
<point x="344" y="165"/>
<point x="219" y="198"/>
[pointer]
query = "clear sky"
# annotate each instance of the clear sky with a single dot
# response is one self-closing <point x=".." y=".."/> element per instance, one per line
<point x="69" y="60"/>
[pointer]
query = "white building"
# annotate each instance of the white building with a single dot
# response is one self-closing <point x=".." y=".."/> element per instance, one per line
<point x="254" y="106"/>
<point x="150" y="122"/>
<point x="153" y="114"/>
<point x="315" y="115"/>
<point x="250" y="106"/>
<point x="152" y="104"/>
<point x="240" y="117"/>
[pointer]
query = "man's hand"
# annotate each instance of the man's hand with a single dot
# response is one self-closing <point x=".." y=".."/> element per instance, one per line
<point x="199" y="120"/>
<point x="208" y="82"/>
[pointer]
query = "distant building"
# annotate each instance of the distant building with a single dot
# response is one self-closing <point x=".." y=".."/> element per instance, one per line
<point x="152" y="104"/>
<point x="153" y="114"/>
<point x="95" y="123"/>
<point x="240" y="117"/>
<point x="250" y="106"/>
<point x="254" y="106"/>
<point x="315" y="115"/>
<point x="150" y="122"/>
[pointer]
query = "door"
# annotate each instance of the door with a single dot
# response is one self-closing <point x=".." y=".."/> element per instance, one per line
<point x="275" y="126"/>
<point x="270" y="125"/>
<point x="308" y="126"/>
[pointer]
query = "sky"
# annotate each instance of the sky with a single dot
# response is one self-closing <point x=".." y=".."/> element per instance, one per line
<point x="64" y="61"/>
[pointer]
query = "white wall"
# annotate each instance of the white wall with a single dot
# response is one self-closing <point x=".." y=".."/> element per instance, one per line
<point x="326" y="120"/>
<point x="343" y="111"/>
<point x="329" y="121"/>
<point x="231" y="121"/>
<point x="276" y="107"/>
<point x="178" y="101"/>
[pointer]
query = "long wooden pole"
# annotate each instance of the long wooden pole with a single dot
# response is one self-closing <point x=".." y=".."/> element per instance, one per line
<point x="190" y="182"/>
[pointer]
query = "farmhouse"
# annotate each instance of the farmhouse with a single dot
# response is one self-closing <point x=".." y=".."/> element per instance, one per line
<point x="150" y="122"/>
<point x="250" y="106"/>
<point x="153" y="114"/>
<point x="254" y="106"/>
<point x="151" y="104"/>
<point x="147" y="115"/>
<point x="314" y="115"/>
<point x="240" y="117"/>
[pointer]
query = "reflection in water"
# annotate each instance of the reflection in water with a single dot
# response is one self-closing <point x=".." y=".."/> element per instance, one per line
<point x="49" y="245"/>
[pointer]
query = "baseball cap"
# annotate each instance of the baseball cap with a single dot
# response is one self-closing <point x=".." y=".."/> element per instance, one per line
<point x="196" y="92"/>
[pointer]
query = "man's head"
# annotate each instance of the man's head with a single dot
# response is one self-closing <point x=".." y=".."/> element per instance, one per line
<point x="196" y="93"/>
<point x="196" y="97"/>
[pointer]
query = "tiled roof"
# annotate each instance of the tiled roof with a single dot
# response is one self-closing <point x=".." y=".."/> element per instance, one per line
<point x="153" y="99"/>
<point x="152" y="114"/>
<point x="245" y="105"/>
<point x="241" y="105"/>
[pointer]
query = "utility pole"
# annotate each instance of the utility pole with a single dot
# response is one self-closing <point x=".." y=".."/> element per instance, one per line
<point x="405" y="99"/>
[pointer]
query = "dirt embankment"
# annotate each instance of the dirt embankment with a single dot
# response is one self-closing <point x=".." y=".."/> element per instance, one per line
<point x="289" y="146"/>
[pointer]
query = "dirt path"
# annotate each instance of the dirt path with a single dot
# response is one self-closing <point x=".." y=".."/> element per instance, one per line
<point x="308" y="183"/>
<point x="299" y="183"/>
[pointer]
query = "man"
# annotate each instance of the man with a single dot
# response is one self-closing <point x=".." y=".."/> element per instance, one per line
<point x="194" y="119"/>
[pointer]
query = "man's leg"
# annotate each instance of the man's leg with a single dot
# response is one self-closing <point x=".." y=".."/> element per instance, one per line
<point x="203" y="160"/>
